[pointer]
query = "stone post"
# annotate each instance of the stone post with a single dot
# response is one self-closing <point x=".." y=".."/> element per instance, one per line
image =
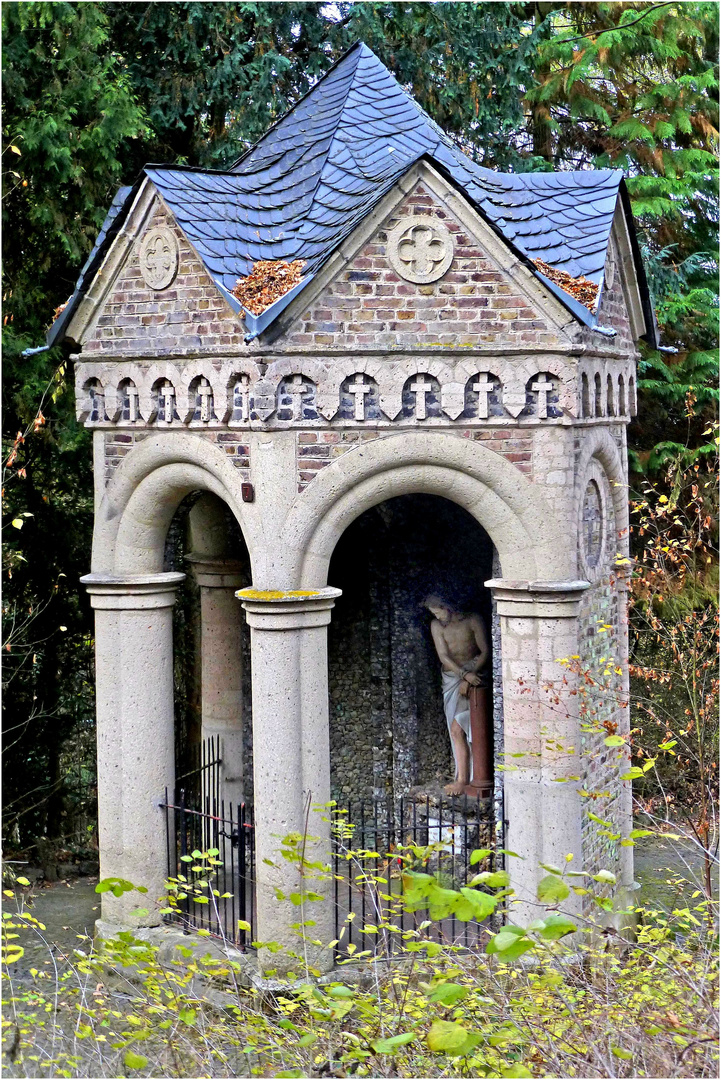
<point x="291" y="760"/>
<point x="135" y="732"/>
<point x="542" y="803"/>
<point x="221" y="666"/>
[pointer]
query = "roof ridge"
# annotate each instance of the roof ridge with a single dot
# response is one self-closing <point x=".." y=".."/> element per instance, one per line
<point x="359" y="45"/>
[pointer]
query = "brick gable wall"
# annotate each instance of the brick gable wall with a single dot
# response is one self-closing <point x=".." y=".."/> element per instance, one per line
<point x="474" y="303"/>
<point x="189" y="315"/>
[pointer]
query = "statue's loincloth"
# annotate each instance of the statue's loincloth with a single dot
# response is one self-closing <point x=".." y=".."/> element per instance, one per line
<point x="457" y="707"/>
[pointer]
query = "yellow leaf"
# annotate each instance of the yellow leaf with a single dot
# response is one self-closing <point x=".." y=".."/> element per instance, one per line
<point x="17" y="523"/>
<point x="15" y="150"/>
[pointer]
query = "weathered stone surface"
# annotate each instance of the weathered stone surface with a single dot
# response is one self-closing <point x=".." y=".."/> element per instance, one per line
<point x="471" y="395"/>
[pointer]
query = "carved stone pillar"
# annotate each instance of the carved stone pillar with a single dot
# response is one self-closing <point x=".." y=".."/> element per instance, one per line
<point x="542" y="803"/>
<point x="291" y="757"/>
<point x="221" y="664"/>
<point x="135" y="732"/>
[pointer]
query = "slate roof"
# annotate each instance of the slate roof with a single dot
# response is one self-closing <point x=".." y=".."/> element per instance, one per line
<point x="317" y="172"/>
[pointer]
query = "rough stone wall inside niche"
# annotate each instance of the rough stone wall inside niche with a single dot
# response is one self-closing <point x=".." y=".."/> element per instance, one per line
<point x="350" y="678"/>
<point x="474" y="303"/>
<point x="599" y="650"/>
<point x="187" y="315"/>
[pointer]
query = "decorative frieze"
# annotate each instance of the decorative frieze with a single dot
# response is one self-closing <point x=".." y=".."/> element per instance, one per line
<point x="212" y="394"/>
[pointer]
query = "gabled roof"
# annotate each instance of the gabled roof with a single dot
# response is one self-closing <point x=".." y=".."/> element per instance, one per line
<point x="317" y="172"/>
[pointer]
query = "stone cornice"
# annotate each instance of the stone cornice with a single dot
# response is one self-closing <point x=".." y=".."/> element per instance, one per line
<point x="537" y="599"/>
<point x="287" y="609"/>
<point x="132" y="592"/>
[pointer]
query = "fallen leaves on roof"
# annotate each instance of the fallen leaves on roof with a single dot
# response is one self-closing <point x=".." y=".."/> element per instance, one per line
<point x="267" y="282"/>
<point x="60" y="309"/>
<point x="580" y="288"/>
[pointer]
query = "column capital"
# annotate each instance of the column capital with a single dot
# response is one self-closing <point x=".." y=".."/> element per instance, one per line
<point x="537" y="599"/>
<point x="213" y="573"/>
<point x="287" y="609"/>
<point x="132" y="592"/>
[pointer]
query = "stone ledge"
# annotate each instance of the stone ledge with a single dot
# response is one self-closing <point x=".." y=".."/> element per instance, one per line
<point x="537" y="599"/>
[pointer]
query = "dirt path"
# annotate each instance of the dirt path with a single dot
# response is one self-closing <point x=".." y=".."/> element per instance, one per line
<point x="67" y="909"/>
<point x="669" y="872"/>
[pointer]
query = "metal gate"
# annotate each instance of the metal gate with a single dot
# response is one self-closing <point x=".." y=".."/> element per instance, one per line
<point x="211" y="853"/>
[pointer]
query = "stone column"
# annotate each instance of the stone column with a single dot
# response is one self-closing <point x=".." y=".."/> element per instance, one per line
<point x="135" y="732"/>
<point x="221" y="666"/>
<point x="542" y="802"/>
<point x="291" y="759"/>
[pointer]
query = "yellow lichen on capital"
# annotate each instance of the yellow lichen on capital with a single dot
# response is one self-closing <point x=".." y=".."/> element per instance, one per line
<point x="275" y="594"/>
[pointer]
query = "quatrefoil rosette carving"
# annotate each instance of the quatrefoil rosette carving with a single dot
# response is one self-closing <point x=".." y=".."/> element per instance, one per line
<point x="420" y="249"/>
<point x="158" y="257"/>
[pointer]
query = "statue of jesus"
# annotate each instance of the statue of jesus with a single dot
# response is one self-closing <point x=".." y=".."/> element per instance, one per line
<point x="460" y="642"/>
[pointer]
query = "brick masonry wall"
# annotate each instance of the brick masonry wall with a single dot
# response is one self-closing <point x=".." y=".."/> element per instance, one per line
<point x="613" y="313"/>
<point x="316" y="449"/>
<point x="188" y="315"/>
<point x="474" y="303"/>
<point x="120" y="441"/>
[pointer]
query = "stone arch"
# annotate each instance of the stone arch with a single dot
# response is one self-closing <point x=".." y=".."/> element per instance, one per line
<point x="585" y="396"/>
<point x="600" y="446"/>
<point x="359" y="398"/>
<point x="517" y="376"/>
<point x="631" y="396"/>
<point x="186" y="388"/>
<point x="621" y="396"/>
<point x="532" y="543"/>
<point x="483" y="394"/>
<point x="127" y="407"/>
<point x="597" y="395"/>
<point x="147" y="383"/>
<point x="312" y="370"/>
<point x="336" y="374"/>
<point x="420" y="405"/>
<point x="91" y="409"/>
<point x="201" y="402"/>
<point x="148" y="486"/>
<point x="164" y="398"/>
<point x="237" y="393"/>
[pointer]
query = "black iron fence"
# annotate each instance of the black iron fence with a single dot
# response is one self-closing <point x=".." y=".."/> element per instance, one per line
<point x="375" y="840"/>
<point x="211" y="863"/>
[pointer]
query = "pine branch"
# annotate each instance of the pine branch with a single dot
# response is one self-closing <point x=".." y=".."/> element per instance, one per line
<point x="608" y="29"/>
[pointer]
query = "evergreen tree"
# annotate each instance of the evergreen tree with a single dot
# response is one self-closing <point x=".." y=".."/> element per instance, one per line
<point x="69" y="111"/>
<point x="635" y="86"/>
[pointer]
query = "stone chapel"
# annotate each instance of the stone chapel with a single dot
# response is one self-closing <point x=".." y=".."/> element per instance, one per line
<point x="427" y="410"/>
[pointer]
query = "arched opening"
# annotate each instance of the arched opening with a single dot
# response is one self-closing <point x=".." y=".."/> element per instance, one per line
<point x="585" y="396"/>
<point x="211" y="650"/>
<point x="621" y="396"/>
<point x="389" y="734"/>
<point x="610" y="403"/>
<point x="598" y="395"/>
